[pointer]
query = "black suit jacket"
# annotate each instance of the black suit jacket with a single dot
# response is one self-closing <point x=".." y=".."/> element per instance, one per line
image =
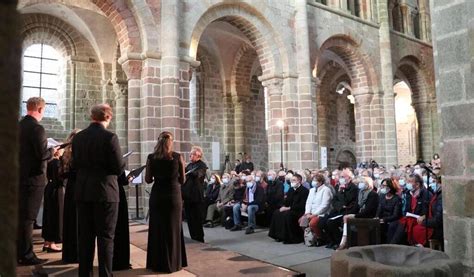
<point x="193" y="187"/>
<point x="98" y="161"/>
<point x="296" y="199"/>
<point x="34" y="153"/>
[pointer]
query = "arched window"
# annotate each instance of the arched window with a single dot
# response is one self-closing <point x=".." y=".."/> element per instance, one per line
<point x="40" y="77"/>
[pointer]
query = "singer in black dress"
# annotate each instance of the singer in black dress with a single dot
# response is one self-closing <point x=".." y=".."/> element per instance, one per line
<point x="166" y="251"/>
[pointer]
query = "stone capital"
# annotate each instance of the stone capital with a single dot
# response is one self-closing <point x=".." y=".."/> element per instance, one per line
<point x="133" y="68"/>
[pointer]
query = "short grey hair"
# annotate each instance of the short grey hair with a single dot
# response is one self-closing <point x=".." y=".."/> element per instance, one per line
<point x="197" y="149"/>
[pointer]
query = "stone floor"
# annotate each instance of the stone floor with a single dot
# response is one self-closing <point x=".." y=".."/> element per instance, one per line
<point x="225" y="253"/>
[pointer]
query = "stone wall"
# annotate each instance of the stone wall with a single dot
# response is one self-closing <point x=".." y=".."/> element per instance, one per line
<point x="453" y="37"/>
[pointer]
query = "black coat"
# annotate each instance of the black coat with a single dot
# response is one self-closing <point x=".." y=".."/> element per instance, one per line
<point x="258" y="197"/>
<point x="436" y="219"/>
<point x="212" y="192"/>
<point x="246" y="166"/>
<point x="98" y="161"/>
<point x="369" y="208"/>
<point x="274" y="194"/>
<point x="296" y="200"/>
<point x="345" y="201"/>
<point x="389" y="209"/>
<point x="422" y="203"/>
<point x="193" y="187"/>
<point x="34" y="153"/>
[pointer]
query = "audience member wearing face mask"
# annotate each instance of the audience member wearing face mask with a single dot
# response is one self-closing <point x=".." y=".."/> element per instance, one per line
<point x="390" y="207"/>
<point x="367" y="203"/>
<point x="317" y="205"/>
<point x="434" y="218"/>
<point x="284" y="226"/>
<point x="226" y="193"/>
<point x="344" y="202"/>
<point x="253" y="201"/>
<point x="274" y="195"/>
<point x="417" y="203"/>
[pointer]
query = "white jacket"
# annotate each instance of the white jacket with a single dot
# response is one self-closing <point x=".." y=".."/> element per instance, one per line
<point x="318" y="202"/>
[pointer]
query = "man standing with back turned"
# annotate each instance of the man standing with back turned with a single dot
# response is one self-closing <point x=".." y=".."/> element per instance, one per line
<point x="33" y="157"/>
<point x="98" y="161"/>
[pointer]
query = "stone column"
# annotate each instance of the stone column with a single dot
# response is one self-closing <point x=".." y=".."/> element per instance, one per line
<point x="10" y="76"/>
<point x="363" y="126"/>
<point x="170" y="75"/>
<point x="120" y="88"/>
<point x="405" y="10"/>
<point x="425" y="28"/>
<point x="389" y="144"/>
<point x="453" y="30"/>
<point x="274" y="92"/>
<point x="239" y="124"/>
<point x="307" y="117"/>
<point x="425" y="128"/>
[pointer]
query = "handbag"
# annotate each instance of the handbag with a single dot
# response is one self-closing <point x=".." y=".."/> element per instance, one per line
<point x="308" y="237"/>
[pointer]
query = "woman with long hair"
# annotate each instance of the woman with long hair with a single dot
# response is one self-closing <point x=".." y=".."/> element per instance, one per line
<point x="165" y="168"/>
<point x="67" y="172"/>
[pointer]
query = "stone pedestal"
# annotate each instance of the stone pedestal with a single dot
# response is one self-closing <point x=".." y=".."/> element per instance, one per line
<point x="393" y="260"/>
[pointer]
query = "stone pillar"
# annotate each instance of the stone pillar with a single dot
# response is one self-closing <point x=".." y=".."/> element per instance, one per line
<point x="425" y="129"/>
<point x="121" y="118"/>
<point x="405" y="10"/>
<point x="387" y="96"/>
<point x="10" y="76"/>
<point x="363" y="126"/>
<point x="425" y="27"/>
<point x="307" y="117"/>
<point x="170" y="110"/>
<point x="239" y="124"/>
<point x="453" y="37"/>
<point x="274" y="92"/>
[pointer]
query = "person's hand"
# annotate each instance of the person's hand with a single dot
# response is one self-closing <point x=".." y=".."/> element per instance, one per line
<point x="283" y="209"/>
<point x="420" y="219"/>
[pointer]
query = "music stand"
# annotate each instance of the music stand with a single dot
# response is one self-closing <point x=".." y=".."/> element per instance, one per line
<point x="134" y="174"/>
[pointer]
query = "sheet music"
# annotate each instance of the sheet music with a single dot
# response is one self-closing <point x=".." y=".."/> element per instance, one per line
<point x="412" y="215"/>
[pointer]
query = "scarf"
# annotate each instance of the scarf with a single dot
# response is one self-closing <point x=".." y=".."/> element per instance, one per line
<point x="363" y="194"/>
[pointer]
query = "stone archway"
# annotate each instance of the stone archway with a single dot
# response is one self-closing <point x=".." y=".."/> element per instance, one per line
<point x="346" y="158"/>
<point x="342" y="55"/>
<point x="411" y="71"/>
<point x="257" y="58"/>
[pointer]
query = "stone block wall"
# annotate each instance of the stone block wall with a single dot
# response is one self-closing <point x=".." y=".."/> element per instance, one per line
<point x="453" y="38"/>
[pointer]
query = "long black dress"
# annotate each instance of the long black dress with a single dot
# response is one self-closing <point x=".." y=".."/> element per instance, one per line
<point x="166" y="251"/>
<point x="284" y="226"/>
<point x="53" y="195"/>
<point x="70" y="234"/>
<point x="121" y="258"/>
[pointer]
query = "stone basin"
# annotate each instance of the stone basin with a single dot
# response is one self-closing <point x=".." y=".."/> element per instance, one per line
<point x="393" y="260"/>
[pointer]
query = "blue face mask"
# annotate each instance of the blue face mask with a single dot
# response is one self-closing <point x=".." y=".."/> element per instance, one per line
<point x="270" y="178"/>
<point x="361" y="186"/>
<point x="402" y="183"/>
<point x="409" y="187"/>
<point x="434" y="186"/>
<point x="383" y="191"/>
<point x="249" y="184"/>
<point x="425" y="179"/>
<point x="314" y="183"/>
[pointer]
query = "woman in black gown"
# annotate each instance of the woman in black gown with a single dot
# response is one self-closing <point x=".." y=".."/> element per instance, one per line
<point x="70" y="236"/>
<point x="166" y="251"/>
<point x="52" y="206"/>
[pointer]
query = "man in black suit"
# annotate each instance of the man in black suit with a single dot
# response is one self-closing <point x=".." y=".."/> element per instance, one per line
<point x="34" y="155"/>
<point x="98" y="161"/>
<point x="193" y="193"/>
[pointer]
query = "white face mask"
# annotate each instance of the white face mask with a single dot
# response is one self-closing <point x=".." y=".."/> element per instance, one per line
<point x="314" y="183"/>
<point x="212" y="181"/>
<point x="257" y="179"/>
<point x="383" y="190"/>
<point x="342" y="181"/>
<point x="294" y="185"/>
<point x="249" y="184"/>
<point x="376" y="175"/>
<point x="242" y="178"/>
<point x="225" y="181"/>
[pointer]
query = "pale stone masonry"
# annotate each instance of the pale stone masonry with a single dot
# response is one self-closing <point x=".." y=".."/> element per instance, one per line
<point x="221" y="74"/>
<point x="453" y="38"/>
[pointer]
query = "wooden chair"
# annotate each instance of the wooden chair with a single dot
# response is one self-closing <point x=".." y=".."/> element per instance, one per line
<point x="363" y="231"/>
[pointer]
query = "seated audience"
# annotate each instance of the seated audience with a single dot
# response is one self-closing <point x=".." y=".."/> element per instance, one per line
<point x="390" y="206"/>
<point x="367" y="203"/>
<point x="318" y="205"/>
<point x="239" y="191"/>
<point x="284" y="226"/>
<point x="212" y="192"/>
<point x="254" y="200"/>
<point x="226" y="195"/>
<point x="344" y="202"/>
<point x="431" y="225"/>
<point x="274" y="195"/>
<point x="260" y="179"/>
<point x="417" y="203"/>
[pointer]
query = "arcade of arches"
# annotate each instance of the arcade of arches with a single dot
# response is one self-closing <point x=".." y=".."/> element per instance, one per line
<point x="351" y="80"/>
